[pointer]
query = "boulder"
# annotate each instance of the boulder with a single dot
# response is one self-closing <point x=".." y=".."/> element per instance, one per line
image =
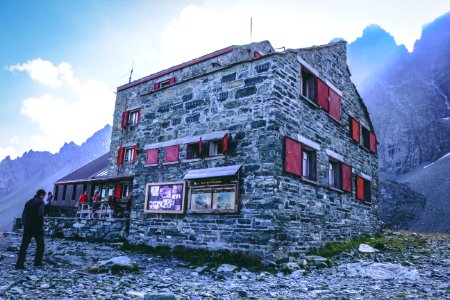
<point x="160" y="296"/>
<point x="364" y="248"/>
<point x="115" y="264"/>
<point x="226" y="268"/>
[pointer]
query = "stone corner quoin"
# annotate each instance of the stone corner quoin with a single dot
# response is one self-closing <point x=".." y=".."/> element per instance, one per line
<point x="293" y="125"/>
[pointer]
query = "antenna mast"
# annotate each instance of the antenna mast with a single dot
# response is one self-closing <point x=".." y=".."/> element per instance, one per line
<point x="251" y="30"/>
<point x="131" y="73"/>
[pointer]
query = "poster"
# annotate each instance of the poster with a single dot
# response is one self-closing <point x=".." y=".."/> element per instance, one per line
<point x="164" y="197"/>
<point x="201" y="199"/>
<point x="224" y="198"/>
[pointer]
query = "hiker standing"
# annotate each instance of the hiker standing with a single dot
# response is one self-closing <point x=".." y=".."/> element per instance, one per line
<point x="48" y="202"/>
<point x="33" y="226"/>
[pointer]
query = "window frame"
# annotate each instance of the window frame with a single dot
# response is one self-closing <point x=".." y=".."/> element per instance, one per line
<point x="308" y="78"/>
<point x="198" y="150"/>
<point x="133" y="117"/>
<point x="126" y="151"/>
<point x="365" y="137"/>
<point x="332" y="161"/>
<point x="217" y="153"/>
<point x="312" y="163"/>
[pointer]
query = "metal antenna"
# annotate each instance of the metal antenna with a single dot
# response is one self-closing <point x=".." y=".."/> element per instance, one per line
<point x="131" y="73"/>
<point x="251" y="30"/>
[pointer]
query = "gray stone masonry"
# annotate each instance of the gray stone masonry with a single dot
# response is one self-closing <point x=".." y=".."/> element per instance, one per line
<point x="257" y="100"/>
<point x="95" y="229"/>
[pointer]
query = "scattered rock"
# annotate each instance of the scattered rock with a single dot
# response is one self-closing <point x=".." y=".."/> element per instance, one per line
<point x="298" y="273"/>
<point x="115" y="264"/>
<point x="136" y="294"/>
<point x="160" y="296"/>
<point x="364" y="248"/>
<point x="201" y="269"/>
<point x="290" y="266"/>
<point x="379" y="271"/>
<point x="226" y="268"/>
<point x="317" y="261"/>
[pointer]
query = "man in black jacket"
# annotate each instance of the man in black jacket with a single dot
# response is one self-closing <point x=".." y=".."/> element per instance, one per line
<point x="33" y="226"/>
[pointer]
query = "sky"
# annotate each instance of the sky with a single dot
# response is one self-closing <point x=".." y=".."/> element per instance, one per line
<point x="61" y="61"/>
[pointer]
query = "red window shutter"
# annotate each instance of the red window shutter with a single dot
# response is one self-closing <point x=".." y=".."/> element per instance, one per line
<point x="135" y="153"/>
<point x="346" y="178"/>
<point x="118" y="191"/>
<point x="359" y="188"/>
<point x="355" y="130"/>
<point x="124" y="119"/>
<point x="322" y="94"/>
<point x="373" y="142"/>
<point x="151" y="156"/>
<point x="256" y="54"/>
<point x="171" y="154"/>
<point x="171" y="80"/>
<point x="225" y="144"/>
<point x="120" y="156"/>
<point x="292" y="157"/>
<point x="335" y="105"/>
<point x="139" y="116"/>
<point x="156" y="86"/>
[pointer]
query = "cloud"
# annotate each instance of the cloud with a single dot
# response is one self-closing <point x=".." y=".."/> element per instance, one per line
<point x="74" y="114"/>
<point x="8" y="150"/>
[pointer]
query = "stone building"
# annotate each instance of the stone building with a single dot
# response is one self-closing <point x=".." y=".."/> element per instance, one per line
<point x="250" y="149"/>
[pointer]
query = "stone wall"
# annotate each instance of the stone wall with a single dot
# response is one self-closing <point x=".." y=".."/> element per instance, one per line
<point x="258" y="102"/>
<point x="90" y="229"/>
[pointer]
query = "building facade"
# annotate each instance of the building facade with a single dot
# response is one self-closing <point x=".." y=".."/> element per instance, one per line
<point x="248" y="149"/>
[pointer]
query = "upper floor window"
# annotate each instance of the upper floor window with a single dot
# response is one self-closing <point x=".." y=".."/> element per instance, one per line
<point x="171" y="154"/>
<point x="334" y="174"/>
<point x="363" y="136"/>
<point x="300" y="159"/>
<point x="131" y="117"/>
<point x="194" y="150"/>
<point x="127" y="155"/>
<point x="308" y="85"/>
<point x="363" y="189"/>
<point x="164" y="83"/>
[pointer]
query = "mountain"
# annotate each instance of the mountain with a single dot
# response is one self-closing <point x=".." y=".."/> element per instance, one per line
<point x="408" y="98"/>
<point x="407" y="95"/>
<point x="371" y="53"/>
<point x="432" y="180"/>
<point x="22" y="177"/>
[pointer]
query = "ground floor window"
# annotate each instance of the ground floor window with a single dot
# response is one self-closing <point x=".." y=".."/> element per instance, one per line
<point x="334" y="174"/>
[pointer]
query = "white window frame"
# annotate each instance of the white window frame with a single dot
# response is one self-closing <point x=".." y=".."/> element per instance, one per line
<point x="128" y="154"/>
<point x="133" y="117"/>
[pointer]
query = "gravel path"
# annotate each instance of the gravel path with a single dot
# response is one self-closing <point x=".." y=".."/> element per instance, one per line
<point x="415" y="272"/>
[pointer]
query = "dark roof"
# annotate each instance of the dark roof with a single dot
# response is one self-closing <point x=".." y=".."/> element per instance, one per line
<point x="89" y="170"/>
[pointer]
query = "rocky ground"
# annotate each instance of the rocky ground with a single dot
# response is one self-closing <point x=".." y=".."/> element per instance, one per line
<point x="406" y="269"/>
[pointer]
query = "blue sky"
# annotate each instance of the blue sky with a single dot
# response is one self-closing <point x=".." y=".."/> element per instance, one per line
<point x="60" y="61"/>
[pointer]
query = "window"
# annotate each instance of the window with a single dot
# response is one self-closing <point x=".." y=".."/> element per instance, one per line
<point x="299" y="159"/>
<point x="125" y="190"/>
<point x="64" y="192"/>
<point x="308" y="85"/>
<point x="193" y="150"/>
<point x="215" y="148"/>
<point x="334" y="174"/>
<point x="309" y="163"/>
<point x="74" y="191"/>
<point x="363" y="189"/>
<point x="133" y="117"/>
<point x="129" y="155"/>
<point x="56" y="192"/>
<point x="365" y="137"/>
<point x="164" y="83"/>
<point x="171" y="154"/>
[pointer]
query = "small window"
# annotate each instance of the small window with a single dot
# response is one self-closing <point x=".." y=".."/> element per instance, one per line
<point x="365" y="137"/>
<point x="334" y="174"/>
<point x="193" y="151"/>
<point x="363" y="189"/>
<point x="308" y="163"/>
<point x="74" y="191"/>
<point x="64" y="192"/>
<point x="164" y="83"/>
<point x="133" y="117"/>
<point x="308" y="85"/>
<point x="125" y="190"/>
<point x="129" y="154"/>
<point x="56" y="192"/>
<point x="215" y="148"/>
